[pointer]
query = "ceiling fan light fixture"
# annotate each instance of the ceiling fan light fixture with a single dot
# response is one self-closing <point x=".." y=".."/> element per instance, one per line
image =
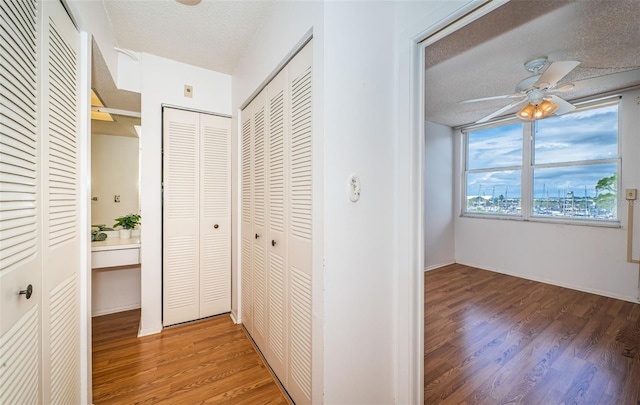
<point x="547" y="108"/>
<point x="532" y="112"/>
<point x="527" y="112"/>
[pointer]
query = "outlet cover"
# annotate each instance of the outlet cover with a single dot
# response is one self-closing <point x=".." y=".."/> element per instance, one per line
<point x="188" y="91"/>
<point x="631" y="193"/>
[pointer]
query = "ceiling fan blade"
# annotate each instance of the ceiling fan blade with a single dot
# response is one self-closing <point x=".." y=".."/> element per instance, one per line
<point x="517" y="95"/>
<point x="500" y="111"/>
<point x="620" y="79"/>
<point x="555" y="72"/>
<point x="563" y="105"/>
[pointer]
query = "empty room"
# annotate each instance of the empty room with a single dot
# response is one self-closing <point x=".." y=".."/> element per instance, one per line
<point x="531" y="177"/>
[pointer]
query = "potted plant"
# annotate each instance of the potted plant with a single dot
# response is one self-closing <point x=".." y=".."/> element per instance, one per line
<point x="127" y="222"/>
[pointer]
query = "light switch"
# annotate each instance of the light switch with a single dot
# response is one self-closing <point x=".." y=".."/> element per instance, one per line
<point x="631" y="194"/>
<point x="188" y="91"/>
<point x="354" y="188"/>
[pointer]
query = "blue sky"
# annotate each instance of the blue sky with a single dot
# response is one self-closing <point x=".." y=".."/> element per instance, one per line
<point x="585" y="135"/>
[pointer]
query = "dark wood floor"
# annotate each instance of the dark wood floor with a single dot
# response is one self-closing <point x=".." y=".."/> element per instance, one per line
<point x="496" y="339"/>
<point x="211" y="361"/>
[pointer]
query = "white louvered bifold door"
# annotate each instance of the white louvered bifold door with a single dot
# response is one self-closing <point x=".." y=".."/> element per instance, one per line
<point x="246" y="231"/>
<point x="196" y="229"/>
<point x="299" y="246"/>
<point x="180" y="226"/>
<point x="276" y="224"/>
<point x="259" y="194"/>
<point x="276" y="348"/>
<point x="20" y="257"/>
<point x="60" y="187"/>
<point x="215" y="215"/>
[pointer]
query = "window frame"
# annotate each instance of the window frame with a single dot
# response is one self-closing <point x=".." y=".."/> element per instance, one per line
<point x="528" y="167"/>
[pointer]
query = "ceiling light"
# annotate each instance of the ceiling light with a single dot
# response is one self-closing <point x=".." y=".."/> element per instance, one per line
<point x="189" y="2"/>
<point x="532" y="111"/>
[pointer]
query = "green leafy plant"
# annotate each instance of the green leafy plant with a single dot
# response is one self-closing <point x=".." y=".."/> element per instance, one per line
<point x="128" y="221"/>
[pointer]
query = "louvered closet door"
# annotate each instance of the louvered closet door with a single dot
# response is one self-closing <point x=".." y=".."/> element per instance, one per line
<point x="20" y="196"/>
<point x="259" y="194"/>
<point x="247" y="234"/>
<point x="215" y="215"/>
<point x="180" y="226"/>
<point x="60" y="186"/>
<point x="299" y="225"/>
<point x="276" y="348"/>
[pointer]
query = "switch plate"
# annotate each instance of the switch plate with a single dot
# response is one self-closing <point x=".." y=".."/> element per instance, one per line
<point x="188" y="91"/>
<point x="354" y="188"/>
<point x="631" y="193"/>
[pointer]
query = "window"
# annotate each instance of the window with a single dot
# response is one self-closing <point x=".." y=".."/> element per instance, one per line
<point x="563" y="167"/>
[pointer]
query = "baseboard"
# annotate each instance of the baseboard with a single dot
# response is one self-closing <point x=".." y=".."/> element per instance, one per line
<point x="437" y="266"/>
<point x="234" y="317"/>
<point x="114" y="310"/>
<point x="148" y="331"/>
<point x="556" y="283"/>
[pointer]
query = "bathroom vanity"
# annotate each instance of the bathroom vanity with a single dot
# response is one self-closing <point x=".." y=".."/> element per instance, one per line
<point x="115" y="265"/>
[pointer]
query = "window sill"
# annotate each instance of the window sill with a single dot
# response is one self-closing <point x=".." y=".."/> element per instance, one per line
<point x="557" y="221"/>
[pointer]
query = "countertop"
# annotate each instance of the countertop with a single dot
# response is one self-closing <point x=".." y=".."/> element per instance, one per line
<point x="112" y="243"/>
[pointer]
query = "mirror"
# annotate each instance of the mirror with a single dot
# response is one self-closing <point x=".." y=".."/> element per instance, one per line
<point x="115" y="147"/>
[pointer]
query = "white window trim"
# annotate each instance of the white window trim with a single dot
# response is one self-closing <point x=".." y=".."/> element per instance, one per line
<point x="527" y="169"/>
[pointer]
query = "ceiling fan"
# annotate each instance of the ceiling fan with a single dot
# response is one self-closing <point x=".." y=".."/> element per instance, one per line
<point x="536" y="90"/>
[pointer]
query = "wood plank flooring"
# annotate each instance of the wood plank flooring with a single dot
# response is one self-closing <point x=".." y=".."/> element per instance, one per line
<point x="496" y="339"/>
<point x="210" y="361"/>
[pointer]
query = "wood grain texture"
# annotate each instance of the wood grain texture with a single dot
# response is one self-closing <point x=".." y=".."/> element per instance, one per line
<point x="497" y="339"/>
<point x="206" y="362"/>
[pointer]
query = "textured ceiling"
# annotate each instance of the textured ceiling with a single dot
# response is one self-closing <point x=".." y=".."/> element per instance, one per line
<point x="211" y="35"/>
<point x="111" y="97"/>
<point x="486" y="57"/>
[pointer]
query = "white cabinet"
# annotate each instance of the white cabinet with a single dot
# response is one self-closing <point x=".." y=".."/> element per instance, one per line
<point x="196" y="215"/>
<point x="276" y="219"/>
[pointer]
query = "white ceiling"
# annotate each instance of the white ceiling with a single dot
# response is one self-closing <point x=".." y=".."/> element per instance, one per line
<point x="482" y="59"/>
<point x="211" y="35"/>
<point x="486" y="57"/>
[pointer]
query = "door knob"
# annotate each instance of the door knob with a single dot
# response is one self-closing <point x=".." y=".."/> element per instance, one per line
<point x="216" y="226"/>
<point x="273" y="242"/>
<point x="27" y="292"/>
<point x="257" y="236"/>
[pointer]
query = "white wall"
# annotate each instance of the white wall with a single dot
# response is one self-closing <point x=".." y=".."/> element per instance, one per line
<point x="162" y="81"/>
<point x="439" y="241"/>
<point x="363" y="251"/>
<point x="114" y="171"/>
<point x="585" y="258"/>
<point x="115" y="290"/>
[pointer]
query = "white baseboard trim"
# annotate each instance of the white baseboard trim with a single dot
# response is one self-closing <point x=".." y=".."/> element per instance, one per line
<point x="234" y="317"/>
<point x="437" y="266"/>
<point x="558" y="284"/>
<point x="113" y="310"/>
<point x="149" y="331"/>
